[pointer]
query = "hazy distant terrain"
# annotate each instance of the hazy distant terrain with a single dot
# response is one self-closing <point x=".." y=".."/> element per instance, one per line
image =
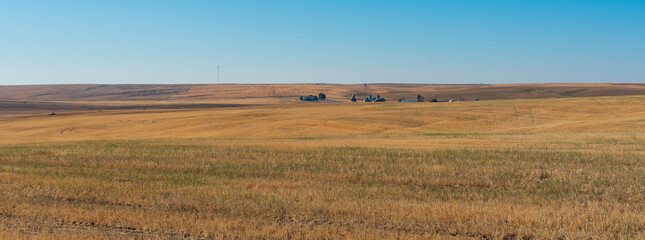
<point x="42" y="98"/>
<point x="289" y="91"/>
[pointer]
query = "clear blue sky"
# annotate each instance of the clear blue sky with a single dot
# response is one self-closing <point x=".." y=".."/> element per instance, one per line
<point x="451" y="41"/>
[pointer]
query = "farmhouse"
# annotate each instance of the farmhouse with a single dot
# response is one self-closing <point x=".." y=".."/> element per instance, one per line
<point x="308" y="98"/>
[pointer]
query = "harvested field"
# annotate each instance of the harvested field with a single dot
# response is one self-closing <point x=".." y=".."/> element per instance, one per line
<point x="282" y="93"/>
<point x="568" y="168"/>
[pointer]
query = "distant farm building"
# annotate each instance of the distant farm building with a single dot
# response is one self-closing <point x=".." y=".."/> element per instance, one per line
<point x="378" y="98"/>
<point x="308" y="98"/>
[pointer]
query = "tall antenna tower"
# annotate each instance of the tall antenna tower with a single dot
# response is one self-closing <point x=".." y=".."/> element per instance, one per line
<point x="217" y="74"/>
<point x="365" y="89"/>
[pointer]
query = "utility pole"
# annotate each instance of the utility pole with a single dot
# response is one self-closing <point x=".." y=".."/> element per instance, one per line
<point x="217" y="74"/>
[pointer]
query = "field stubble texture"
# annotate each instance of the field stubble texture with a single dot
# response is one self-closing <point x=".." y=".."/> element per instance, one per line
<point x="577" y="176"/>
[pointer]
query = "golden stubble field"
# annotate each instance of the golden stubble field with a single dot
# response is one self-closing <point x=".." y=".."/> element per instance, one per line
<point x="569" y="168"/>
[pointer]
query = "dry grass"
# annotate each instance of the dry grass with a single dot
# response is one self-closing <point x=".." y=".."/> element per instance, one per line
<point x="343" y="120"/>
<point x="514" y="169"/>
<point x="40" y="99"/>
<point x="281" y="93"/>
